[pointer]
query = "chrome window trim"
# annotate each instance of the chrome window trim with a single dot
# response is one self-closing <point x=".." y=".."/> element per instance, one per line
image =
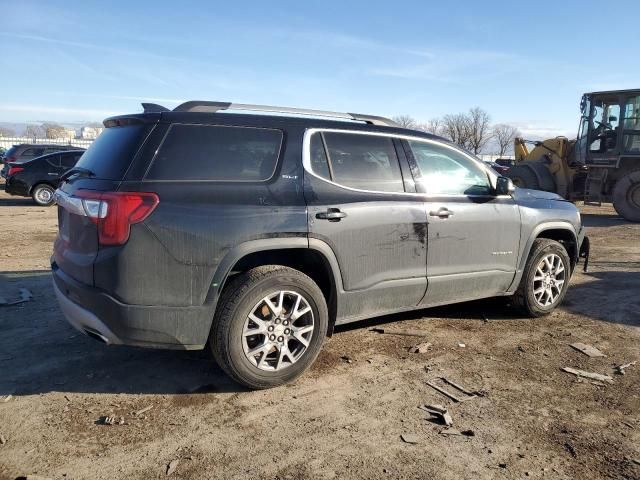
<point x="306" y="162"/>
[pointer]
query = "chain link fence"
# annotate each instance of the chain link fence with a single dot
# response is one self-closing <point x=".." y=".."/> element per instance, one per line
<point x="8" y="142"/>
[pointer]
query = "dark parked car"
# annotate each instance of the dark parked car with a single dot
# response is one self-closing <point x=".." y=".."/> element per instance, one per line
<point x="25" y="151"/>
<point x="501" y="169"/>
<point x="256" y="234"/>
<point x="39" y="178"/>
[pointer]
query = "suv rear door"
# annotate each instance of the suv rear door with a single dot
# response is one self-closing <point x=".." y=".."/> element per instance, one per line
<point x="473" y="235"/>
<point x="360" y="205"/>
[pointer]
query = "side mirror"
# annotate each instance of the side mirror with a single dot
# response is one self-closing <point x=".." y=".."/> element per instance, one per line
<point x="504" y="186"/>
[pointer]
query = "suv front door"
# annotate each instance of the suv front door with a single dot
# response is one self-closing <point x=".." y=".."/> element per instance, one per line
<point x="473" y="235"/>
<point x="360" y="205"/>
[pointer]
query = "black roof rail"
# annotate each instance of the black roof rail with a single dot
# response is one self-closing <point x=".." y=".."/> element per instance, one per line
<point x="212" y="107"/>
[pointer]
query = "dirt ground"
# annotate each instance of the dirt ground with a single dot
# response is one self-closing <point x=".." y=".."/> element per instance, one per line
<point x="344" y="418"/>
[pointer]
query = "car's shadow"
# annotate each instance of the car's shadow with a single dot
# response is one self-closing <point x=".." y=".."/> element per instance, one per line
<point x="17" y="202"/>
<point x="40" y="352"/>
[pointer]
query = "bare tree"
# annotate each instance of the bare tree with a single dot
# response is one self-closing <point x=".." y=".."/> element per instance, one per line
<point x="504" y="135"/>
<point x="479" y="126"/>
<point x="455" y="127"/>
<point x="53" y="130"/>
<point x="33" y="131"/>
<point x="406" y="121"/>
<point x="7" y="132"/>
<point x="434" y="126"/>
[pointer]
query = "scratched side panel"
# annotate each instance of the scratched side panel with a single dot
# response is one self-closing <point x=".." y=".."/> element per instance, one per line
<point x="380" y="246"/>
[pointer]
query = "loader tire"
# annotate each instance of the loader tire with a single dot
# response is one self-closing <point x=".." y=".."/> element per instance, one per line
<point x="523" y="177"/>
<point x="626" y="196"/>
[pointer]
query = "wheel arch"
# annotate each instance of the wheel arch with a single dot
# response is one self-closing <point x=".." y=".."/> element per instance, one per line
<point x="560" y="231"/>
<point x="310" y="256"/>
<point x="43" y="182"/>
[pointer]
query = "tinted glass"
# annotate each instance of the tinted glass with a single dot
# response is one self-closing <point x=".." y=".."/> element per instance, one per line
<point x="112" y="152"/>
<point x="32" y="153"/>
<point x="53" y="160"/>
<point x="365" y="162"/>
<point x="206" y="152"/>
<point x="444" y="170"/>
<point x="68" y="160"/>
<point x="319" y="163"/>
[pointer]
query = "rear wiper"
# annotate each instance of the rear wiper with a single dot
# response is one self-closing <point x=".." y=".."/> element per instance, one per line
<point x="84" y="172"/>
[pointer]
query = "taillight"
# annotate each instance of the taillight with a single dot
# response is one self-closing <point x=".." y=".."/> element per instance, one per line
<point x="115" y="212"/>
<point x="13" y="170"/>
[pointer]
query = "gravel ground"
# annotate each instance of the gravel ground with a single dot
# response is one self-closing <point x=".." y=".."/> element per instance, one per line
<point x="344" y="418"/>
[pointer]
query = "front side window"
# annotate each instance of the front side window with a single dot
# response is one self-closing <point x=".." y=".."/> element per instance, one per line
<point x="365" y="162"/>
<point x="604" y="124"/>
<point x="444" y="170"/>
<point x="217" y="153"/>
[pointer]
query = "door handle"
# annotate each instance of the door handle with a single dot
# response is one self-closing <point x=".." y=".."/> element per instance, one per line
<point x="442" y="212"/>
<point x="332" y="214"/>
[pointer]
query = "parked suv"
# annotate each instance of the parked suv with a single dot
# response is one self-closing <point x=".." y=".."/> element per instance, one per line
<point x="255" y="234"/>
<point x="38" y="178"/>
<point x="26" y="151"/>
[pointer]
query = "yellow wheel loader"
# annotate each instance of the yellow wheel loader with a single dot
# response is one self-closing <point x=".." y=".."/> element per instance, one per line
<point x="601" y="165"/>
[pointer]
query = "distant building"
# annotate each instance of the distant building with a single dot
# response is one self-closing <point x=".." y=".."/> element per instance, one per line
<point x="90" y="133"/>
<point x="68" y="133"/>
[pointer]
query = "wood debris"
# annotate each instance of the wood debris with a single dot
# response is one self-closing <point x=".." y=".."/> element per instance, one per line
<point x="173" y="464"/>
<point x="143" y="410"/>
<point x="421" y="348"/>
<point x="591" y="375"/>
<point x="439" y="411"/>
<point x="588" y="350"/>
<point x="468" y="394"/>
<point x="409" y="438"/>
<point x="409" y="333"/>
<point x="620" y="368"/>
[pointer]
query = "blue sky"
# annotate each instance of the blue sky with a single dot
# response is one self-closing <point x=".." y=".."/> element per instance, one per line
<point x="525" y="63"/>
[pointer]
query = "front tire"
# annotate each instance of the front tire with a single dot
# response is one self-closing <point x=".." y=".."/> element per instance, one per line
<point x="626" y="196"/>
<point x="545" y="278"/>
<point x="269" y="326"/>
<point x="42" y="194"/>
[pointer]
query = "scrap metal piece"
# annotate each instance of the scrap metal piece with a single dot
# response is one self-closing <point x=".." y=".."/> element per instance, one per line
<point x="409" y="333"/>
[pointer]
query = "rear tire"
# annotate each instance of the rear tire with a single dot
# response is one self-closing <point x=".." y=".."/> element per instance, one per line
<point x="523" y="177"/>
<point x="269" y="326"/>
<point x="42" y="194"/>
<point x="626" y="196"/>
<point x="540" y="290"/>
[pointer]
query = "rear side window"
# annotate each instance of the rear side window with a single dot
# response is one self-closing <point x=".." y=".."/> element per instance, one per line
<point x="68" y="160"/>
<point x="111" y="153"/>
<point x="217" y="153"/>
<point x="366" y="162"/>
<point x="32" y="153"/>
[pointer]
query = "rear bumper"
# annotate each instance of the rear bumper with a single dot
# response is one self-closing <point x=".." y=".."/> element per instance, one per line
<point x="100" y="316"/>
<point x="13" y="187"/>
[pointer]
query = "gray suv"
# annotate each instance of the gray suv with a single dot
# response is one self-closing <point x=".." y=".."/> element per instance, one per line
<point x="255" y="234"/>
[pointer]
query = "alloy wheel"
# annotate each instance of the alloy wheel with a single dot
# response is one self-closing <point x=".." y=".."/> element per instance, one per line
<point x="278" y="330"/>
<point x="549" y="279"/>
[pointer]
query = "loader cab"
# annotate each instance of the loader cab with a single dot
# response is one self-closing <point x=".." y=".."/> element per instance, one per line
<point x="609" y="128"/>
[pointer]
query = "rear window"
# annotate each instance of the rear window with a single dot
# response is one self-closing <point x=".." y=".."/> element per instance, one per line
<point x="111" y="153"/>
<point x="217" y="153"/>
